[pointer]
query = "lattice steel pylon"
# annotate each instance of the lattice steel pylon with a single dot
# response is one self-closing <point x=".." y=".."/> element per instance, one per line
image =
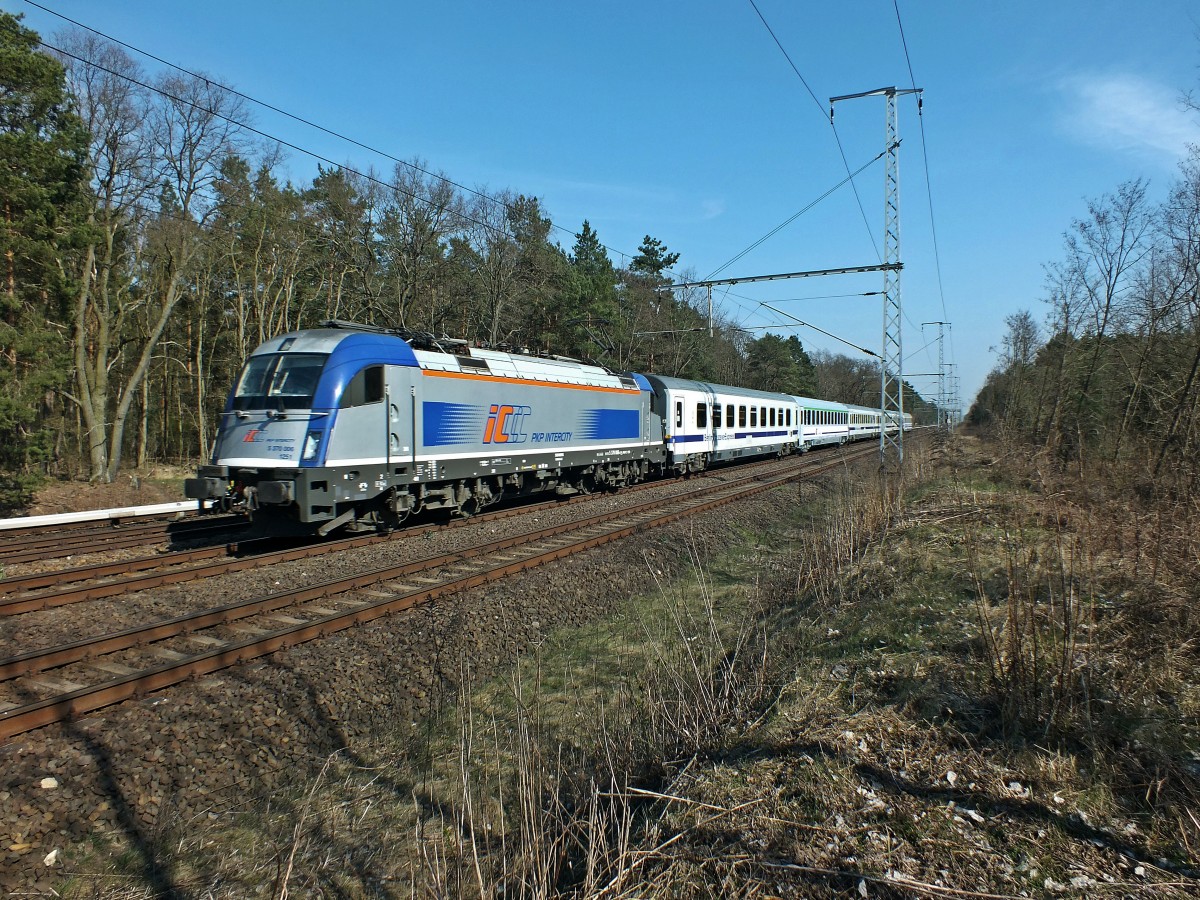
<point x="943" y="400"/>
<point x="891" y="377"/>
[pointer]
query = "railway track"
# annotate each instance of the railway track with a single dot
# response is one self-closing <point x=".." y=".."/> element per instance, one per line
<point x="36" y="544"/>
<point x="58" y="683"/>
<point x="29" y="593"/>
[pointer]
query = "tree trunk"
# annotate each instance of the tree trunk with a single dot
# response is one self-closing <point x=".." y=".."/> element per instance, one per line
<point x="137" y="377"/>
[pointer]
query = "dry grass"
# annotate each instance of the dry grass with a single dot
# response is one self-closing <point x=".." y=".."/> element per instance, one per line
<point x="979" y="683"/>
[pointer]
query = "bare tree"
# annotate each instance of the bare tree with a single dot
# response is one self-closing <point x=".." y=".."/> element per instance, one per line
<point x="115" y="109"/>
<point x="419" y="216"/>
<point x="133" y="273"/>
<point x="1105" y="250"/>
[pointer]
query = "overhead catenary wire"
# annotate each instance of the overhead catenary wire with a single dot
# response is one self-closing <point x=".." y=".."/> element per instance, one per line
<point x="829" y="334"/>
<point x="837" y="137"/>
<point x="253" y="130"/>
<point x="366" y="176"/>
<point x="937" y="259"/>
<point x="792" y="218"/>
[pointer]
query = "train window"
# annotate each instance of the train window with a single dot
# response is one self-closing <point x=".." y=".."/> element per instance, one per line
<point x="729" y="415"/>
<point x="374" y="386"/>
<point x="762" y="416"/>
<point x="741" y="417"/>
<point x="678" y="413"/>
<point x="701" y="415"/>
<point x="365" y="387"/>
<point x="716" y="415"/>
<point x="754" y="417"/>
<point x="772" y="417"/>
<point x="279" y="381"/>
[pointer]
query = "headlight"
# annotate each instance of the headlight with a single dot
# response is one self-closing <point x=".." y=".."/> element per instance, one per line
<point x="311" y="444"/>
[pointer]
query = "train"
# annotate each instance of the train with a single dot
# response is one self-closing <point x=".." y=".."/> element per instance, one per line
<point x="356" y="428"/>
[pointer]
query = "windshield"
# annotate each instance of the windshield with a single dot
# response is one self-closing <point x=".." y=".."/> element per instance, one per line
<point x="279" y="381"/>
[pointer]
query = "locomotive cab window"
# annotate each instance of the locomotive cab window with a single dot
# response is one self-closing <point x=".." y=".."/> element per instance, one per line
<point x="701" y="415"/>
<point x="279" y="381"/>
<point x="365" y="387"/>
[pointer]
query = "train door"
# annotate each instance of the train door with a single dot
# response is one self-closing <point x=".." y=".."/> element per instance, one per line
<point x="714" y="415"/>
<point x="401" y="401"/>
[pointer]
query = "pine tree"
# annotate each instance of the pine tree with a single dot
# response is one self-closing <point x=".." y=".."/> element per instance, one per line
<point x="42" y="144"/>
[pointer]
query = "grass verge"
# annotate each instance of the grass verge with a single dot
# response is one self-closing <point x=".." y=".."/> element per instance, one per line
<point x="958" y="686"/>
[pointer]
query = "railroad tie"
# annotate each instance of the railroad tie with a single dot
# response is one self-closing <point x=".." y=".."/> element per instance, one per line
<point x="286" y="620"/>
<point x="54" y="685"/>
<point x="206" y="640"/>
<point x="111" y="668"/>
<point x="250" y="630"/>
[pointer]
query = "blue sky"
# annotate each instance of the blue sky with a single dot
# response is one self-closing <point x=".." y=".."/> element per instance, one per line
<point x="684" y="120"/>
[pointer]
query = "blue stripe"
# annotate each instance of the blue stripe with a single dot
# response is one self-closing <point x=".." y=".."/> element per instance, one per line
<point x="759" y="434"/>
<point x="687" y="438"/>
<point x="607" y="424"/>
<point x="451" y="423"/>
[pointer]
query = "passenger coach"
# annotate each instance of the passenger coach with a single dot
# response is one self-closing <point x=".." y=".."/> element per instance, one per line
<point x="705" y="423"/>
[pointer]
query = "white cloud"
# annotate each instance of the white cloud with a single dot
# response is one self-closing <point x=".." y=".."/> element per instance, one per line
<point x="1130" y="114"/>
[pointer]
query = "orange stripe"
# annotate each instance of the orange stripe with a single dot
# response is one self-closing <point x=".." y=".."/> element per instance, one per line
<point x="551" y="384"/>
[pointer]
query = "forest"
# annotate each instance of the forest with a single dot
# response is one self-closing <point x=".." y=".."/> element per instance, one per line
<point x="1108" y="379"/>
<point x="151" y="240"/>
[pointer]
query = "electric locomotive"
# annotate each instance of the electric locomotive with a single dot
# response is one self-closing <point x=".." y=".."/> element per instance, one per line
<point x="348" y="426"/>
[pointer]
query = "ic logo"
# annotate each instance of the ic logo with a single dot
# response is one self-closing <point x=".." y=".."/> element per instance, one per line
<point x="504" y="424"/>
<point x="252" y="436"/>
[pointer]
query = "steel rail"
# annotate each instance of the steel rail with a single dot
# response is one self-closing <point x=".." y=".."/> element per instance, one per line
<point x="15" y="603"/>
<point x="21" y="719"/>
<point x="38" y="661"/>
<point x="43" y="546"/>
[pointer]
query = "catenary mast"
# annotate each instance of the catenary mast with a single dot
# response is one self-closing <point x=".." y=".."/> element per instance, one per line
<point x="891" y="381"/>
